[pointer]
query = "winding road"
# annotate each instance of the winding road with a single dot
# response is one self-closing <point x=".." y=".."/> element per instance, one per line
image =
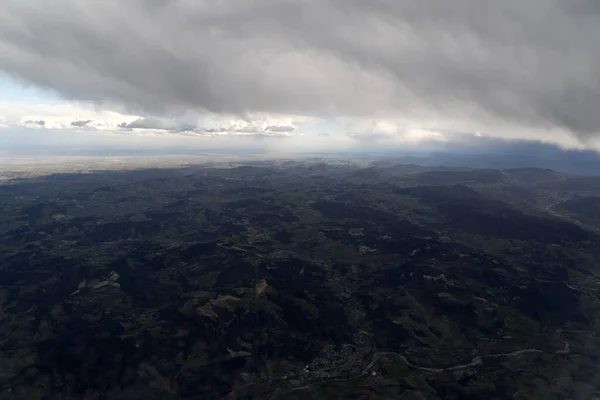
<point x="476" y="361"/>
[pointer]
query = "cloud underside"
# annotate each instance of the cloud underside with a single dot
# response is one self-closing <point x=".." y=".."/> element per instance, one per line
<point x="462" y="65"/>
<point x="81" y="123"/>
<point x="75" y="116"/>
<point x="156" y="123"/>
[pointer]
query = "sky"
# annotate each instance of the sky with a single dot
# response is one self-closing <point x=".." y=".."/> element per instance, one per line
<point x="299" y="75"/>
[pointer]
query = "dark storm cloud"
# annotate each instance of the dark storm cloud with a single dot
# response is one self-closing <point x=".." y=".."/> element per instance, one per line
<point x="534" y="63"/>
<point x="81" y="123"/>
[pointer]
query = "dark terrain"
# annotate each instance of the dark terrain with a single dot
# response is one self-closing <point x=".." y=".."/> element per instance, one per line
<point x="300" y="280"/>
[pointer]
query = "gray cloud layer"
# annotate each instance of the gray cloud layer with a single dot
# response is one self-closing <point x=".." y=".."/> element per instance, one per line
<point x="37" y="122"/>
<point x="280" y="128"/>
<point x="534" y="63"/>
<point x="81" y="123"/>
<point x="150" y="123"/>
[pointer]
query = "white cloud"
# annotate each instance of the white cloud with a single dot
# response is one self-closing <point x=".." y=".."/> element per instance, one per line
<point x="150" y="123"/>
<point x="78" y="116"/>
<point x="402" y="130"/>
<point x="81" y="121"/>
<point x="60" y="116"/>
